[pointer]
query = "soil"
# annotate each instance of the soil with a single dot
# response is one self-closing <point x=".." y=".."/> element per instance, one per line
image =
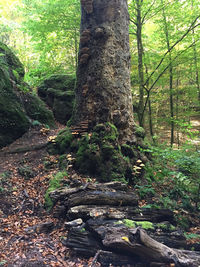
<point x="22" y="206"/>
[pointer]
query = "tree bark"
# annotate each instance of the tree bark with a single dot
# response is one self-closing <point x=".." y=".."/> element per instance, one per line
<point x="103" y="92"/>
<point x="140" y="62"/>
<point x="170" y="78"/>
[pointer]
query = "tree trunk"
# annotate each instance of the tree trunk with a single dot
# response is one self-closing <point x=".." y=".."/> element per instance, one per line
<point x="170" y="78"/>
<point x="197" y="81"/>
<point x="140" y="63"/>
<point x="103" y="92"/>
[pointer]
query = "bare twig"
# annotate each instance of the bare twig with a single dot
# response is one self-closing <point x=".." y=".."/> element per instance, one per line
<point x="95" y="258"/>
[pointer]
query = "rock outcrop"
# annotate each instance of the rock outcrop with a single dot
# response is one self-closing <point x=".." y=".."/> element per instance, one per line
<point x="57" y="92"/>
<point x="18" y="107"/>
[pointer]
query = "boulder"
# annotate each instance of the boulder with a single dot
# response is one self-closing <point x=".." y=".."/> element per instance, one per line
<point x="16" y="101"/>
<point x="57" y="92"/>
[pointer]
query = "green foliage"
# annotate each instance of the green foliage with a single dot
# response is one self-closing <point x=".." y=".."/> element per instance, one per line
<point x="54" y="183"/>
<point x="173" y="179"/>
<point x="192" y="236"/>
<point x="145" y="191"/>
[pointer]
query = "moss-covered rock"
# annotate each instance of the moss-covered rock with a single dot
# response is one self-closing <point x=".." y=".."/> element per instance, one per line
<point x="58" y="92"/>
<point x="98" y="153"/>
<point x="15" y="110"/>
<point x="36" y="109"/>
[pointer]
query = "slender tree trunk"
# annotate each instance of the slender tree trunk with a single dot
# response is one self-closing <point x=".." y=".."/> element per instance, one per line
<point x="170" y="78"/>
<point x="149" y="107"/>
<point x="103" y="92"/>
<point x="171" y="102"/>
<point x="197" y="80"/>
<point x="140" y="63"/>
<point x="76" y="48"/>
<point x="177" y="110"/>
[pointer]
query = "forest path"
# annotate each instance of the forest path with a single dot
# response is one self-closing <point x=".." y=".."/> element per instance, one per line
<point x="29" y="235"/>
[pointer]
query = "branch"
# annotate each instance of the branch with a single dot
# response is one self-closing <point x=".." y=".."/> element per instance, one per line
<point x="157" y="11"/>
<point x="169" y="50"/>
<point x="149" y="90"/>
<point x="133" y="21"/>
<point x="149" y="9"/>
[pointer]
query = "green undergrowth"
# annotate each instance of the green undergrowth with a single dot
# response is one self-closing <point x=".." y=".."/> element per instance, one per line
<point x="172" y="180"/>
<point x="54" y="183"/>
<point x="99" y="154"/>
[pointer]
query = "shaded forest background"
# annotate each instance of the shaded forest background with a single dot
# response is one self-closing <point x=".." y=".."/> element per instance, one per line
<point x="164" y="42"/>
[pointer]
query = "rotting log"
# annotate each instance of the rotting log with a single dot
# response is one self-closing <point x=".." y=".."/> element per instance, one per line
<point x="102" y="198"/>
<point x="64" y="193"/>
<point x="125" y="212"/>
<point x="172" y="237"/>
<point x="137" y="242"/>
<point x="134" y="242"/>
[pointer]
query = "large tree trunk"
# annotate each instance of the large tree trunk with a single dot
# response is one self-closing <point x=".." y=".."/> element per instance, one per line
<point x="103" y="91"/>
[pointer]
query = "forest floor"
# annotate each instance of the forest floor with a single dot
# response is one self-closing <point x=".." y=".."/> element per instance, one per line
<point x="24" y="180"/>
<point x="29" y="235"/>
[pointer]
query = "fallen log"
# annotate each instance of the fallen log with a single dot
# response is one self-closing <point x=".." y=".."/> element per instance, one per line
<point x="134" y="242"/>
<point x="137" y="242"/>
<point x="126" y="212"/>
<point x="102" y="198"/>
<point x="164" y="233"/>
<point x="65" y="192"/>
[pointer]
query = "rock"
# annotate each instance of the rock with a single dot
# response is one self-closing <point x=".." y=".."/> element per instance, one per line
<point x="58" y="93"/>
<point x="36" y="109"/>
<point x="15" y="111"/>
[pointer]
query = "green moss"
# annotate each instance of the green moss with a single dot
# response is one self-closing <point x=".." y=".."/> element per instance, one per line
<point x="62" y="142"/>
<point x="16" y="74"/>
<point x="140" y="132"/>
<point x="58" y="93"/>
<point x="98" y="154"/>
<point x="144" y="224"/>
<point x="54" y="183"/>
<point x="13" y="120"/>
<point x="129" y="223"/>
<point x="16" y="107"/>
<point x="165" y="226"/>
